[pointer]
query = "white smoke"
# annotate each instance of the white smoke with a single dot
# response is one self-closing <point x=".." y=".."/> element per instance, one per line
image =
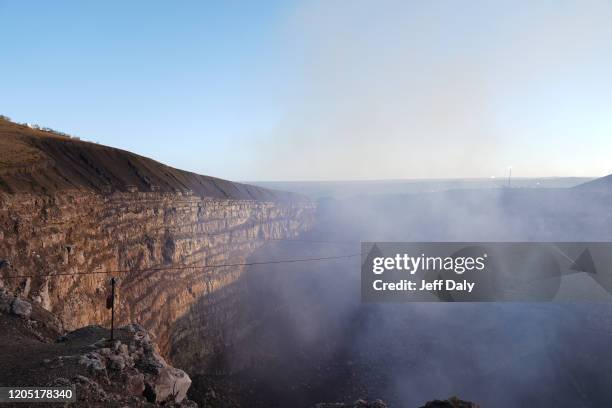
<point x="397" y="89"/>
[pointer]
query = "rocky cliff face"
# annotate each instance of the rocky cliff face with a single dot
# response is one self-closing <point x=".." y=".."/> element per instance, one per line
<point x="142" y="234"/>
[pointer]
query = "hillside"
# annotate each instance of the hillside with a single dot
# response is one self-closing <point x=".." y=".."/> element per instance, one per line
<point x="37" y="161"/>
<point x="599" y="184"/>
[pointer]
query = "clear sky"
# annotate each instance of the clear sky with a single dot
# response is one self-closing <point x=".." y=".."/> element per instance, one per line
<point x="318" y="90"/>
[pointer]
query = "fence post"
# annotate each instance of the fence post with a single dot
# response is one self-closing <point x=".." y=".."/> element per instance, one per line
<point x="110" y="304"/>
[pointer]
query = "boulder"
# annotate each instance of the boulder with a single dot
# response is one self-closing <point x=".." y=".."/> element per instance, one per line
<point x="93" y="361"/>
<point x="171" y="384"/>
<point x="21" y="308"/>
<point x="151" y="363"/>
<point x="116" y="362"/>
<point x="123" y="350"/>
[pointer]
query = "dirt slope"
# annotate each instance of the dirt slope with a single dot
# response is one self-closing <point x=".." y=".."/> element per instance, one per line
<point x="37" y="161"/>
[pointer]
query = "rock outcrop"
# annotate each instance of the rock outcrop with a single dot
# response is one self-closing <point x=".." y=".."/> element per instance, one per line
<point x="125" y="371"/>
<point x="452" y="402"/>
<point x="134" y="360"/>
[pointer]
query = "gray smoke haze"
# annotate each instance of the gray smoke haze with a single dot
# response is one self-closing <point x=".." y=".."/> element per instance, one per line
<point x="323" y="344"/>
<point x="398" y="89"/>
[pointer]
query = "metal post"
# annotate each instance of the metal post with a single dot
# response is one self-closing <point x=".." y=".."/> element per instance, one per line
<point x="112" y="308"/>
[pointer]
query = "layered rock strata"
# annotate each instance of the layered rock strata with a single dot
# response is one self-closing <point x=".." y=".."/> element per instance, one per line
<point x="158" y="245"/>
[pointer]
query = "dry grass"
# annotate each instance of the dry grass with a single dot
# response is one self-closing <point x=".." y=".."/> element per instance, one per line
<point x="14" y="151"/>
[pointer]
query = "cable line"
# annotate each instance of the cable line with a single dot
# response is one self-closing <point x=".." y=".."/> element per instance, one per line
<point x="280" y="261"/>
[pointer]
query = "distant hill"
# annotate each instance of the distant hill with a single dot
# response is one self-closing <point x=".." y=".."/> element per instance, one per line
<point x="43" y="161"/>
<point x="599" y="184"/>
<point x="339" y="189"/>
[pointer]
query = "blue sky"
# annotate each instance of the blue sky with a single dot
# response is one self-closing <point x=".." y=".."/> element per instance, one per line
<point x="321" y="90"/>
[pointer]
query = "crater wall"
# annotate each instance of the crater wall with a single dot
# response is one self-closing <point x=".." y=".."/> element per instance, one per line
<point x="70" y="234"/>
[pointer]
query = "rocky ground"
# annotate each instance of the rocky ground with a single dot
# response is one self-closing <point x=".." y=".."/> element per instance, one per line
<point x="127" y="371"/>
<point x="452" y="402"/>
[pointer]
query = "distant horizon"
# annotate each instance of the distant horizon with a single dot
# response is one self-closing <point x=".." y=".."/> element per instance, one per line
<point x="348" y="188"/>
<point x="501" y="178"/>
<point x="413" y="179"/>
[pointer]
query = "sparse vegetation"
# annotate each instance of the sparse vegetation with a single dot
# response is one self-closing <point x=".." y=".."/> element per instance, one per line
<point x="41" y="128"/>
